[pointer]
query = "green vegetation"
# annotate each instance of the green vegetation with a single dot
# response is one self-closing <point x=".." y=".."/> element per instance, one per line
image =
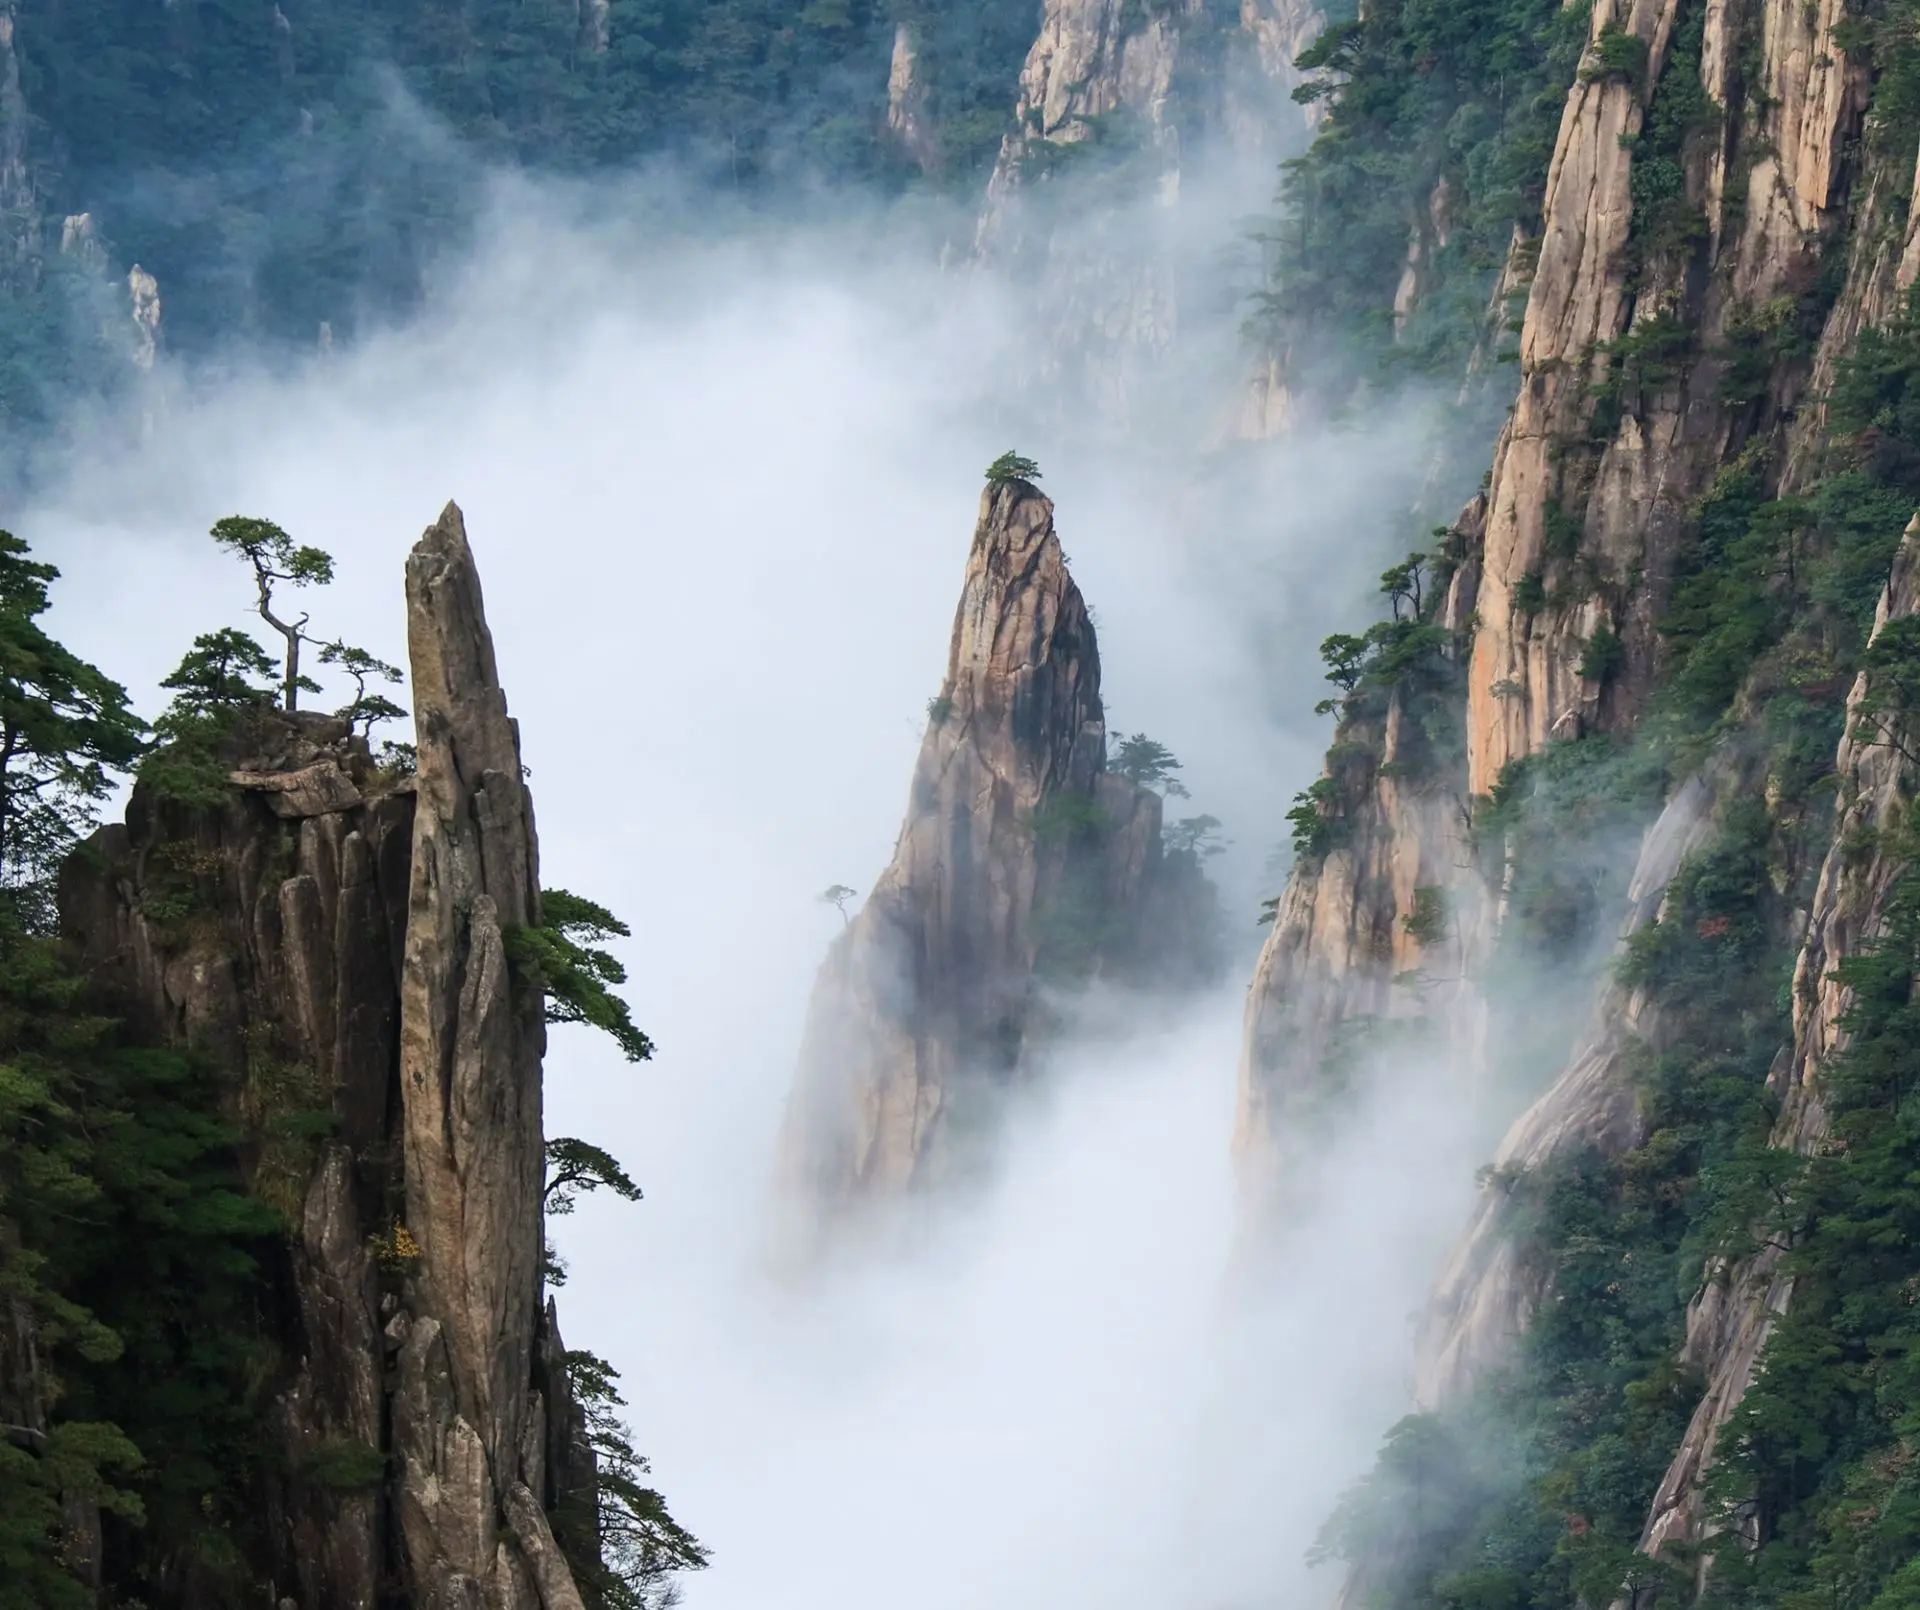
<point x="560" y="956"/>
<point x="574" y="1166"/>
<point x="1778" y="592"/>
<point x="281" y="167"/>
<point x="1010" y="466"/>
<point x="1532" y="1494"/>
<point x="640" y="1544"/>
<point x="147" y="1195"/>
<point x="65" y="729"/>
<point x="276" y="559"/>
<point x="1432" y="107"/>
<point x="1151" y="764"/>
<point x="1195" y="835"/>
<point x="120" y="1190"/>
<point x="1427" y="923"/>
<point x="1823" y="1444"/>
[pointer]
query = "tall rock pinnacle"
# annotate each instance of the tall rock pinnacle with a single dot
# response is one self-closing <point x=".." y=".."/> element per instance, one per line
<point x="347" y="958"/>
<point x="1022" y="860"/>
<point x="466" y="1417"/>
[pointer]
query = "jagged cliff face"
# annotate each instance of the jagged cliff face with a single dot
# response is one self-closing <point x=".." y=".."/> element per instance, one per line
<point x="1527" y="607"/>
<point x="1730" y="1320"/>
<point x="1629" y="488"/>
<point x="1021" y="860"/>
<point x="333" y="936"/>
<point x="1630" y="412"/>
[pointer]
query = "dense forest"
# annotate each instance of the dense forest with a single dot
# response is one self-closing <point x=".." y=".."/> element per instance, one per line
<point x="283" y="168"/>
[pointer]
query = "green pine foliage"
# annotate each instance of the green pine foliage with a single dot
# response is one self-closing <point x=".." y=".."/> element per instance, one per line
<point x="641" y="1546"/>
<point x="1778" y="592"/>
<point x="1532" y="1494"/>
<point x="129" y="1245"/>
<point x="560" y="956"/>
<point x="1417" y="92"/>
<point x="65" y="730"/>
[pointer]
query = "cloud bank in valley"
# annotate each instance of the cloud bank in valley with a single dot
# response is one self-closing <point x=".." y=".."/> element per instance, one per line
<point x="721" y="488"/>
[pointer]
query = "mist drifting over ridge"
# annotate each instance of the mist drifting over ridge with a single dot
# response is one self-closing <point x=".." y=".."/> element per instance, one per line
<point x="720" y="485"/>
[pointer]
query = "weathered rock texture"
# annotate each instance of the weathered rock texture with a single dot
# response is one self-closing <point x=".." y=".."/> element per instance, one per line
<point x="1529" y="676"/>
<point x="1021" y="859"/>
<point x="332" y="935"/>
<point x="1729" y="1321"/>
<point x="1488" y="1292"/>
<point x="1601" y="461"/>
<point x="908" y="121"/>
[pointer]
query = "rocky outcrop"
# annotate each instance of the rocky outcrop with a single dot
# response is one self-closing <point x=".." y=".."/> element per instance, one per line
<point x="908" y="121"/>
<point x="1624" y="420"/>
<point x="1022" y="860"/>
<point x="1729" y="1321"/>
<point x="1584" y="514"/>
<point x="1595" y="298"/>
<point x="333" y="938"/>
<point x="19" y="207"/>
<point x="1347" y="957"/>
<point x="468" y="1422"/>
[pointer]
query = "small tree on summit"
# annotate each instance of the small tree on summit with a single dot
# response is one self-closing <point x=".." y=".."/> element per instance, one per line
<point x="277" y="559"/>
<point x="362" y="667"/>
<point x="1010" y="466"/>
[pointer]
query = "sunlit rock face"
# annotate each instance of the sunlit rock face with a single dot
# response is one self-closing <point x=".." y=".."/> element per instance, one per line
<point x="1024" y="871"/>
<point x="1575" y="543"/>
<point x="1618" y="492"/>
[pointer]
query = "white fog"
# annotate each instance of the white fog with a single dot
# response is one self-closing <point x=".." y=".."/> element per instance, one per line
<point x="721" y="496"/>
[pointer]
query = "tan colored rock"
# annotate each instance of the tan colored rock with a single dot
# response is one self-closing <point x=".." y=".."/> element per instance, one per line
<point x="316" y="790"/>
<point x="17" y="201"/>
<point x="341" y="951"/>
<point x="1729" y="1322"/>
<point x="1486" y="1296"/>
<point x="1340" y="951"/>
<point x="907" y="120"/>
<point x="143" y="301"/>
<point x="1018" y="851"/>
<point x="1112" y="294"/>
<point x="470" y="1050"/>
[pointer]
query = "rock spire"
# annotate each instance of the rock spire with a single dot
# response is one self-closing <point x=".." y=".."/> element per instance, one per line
<point x="1023" y="860"/>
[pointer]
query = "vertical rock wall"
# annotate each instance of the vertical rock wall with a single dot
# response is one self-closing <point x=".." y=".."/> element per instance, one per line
<point x="1120" y="107"/>
<point x="1618" y="451"/>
